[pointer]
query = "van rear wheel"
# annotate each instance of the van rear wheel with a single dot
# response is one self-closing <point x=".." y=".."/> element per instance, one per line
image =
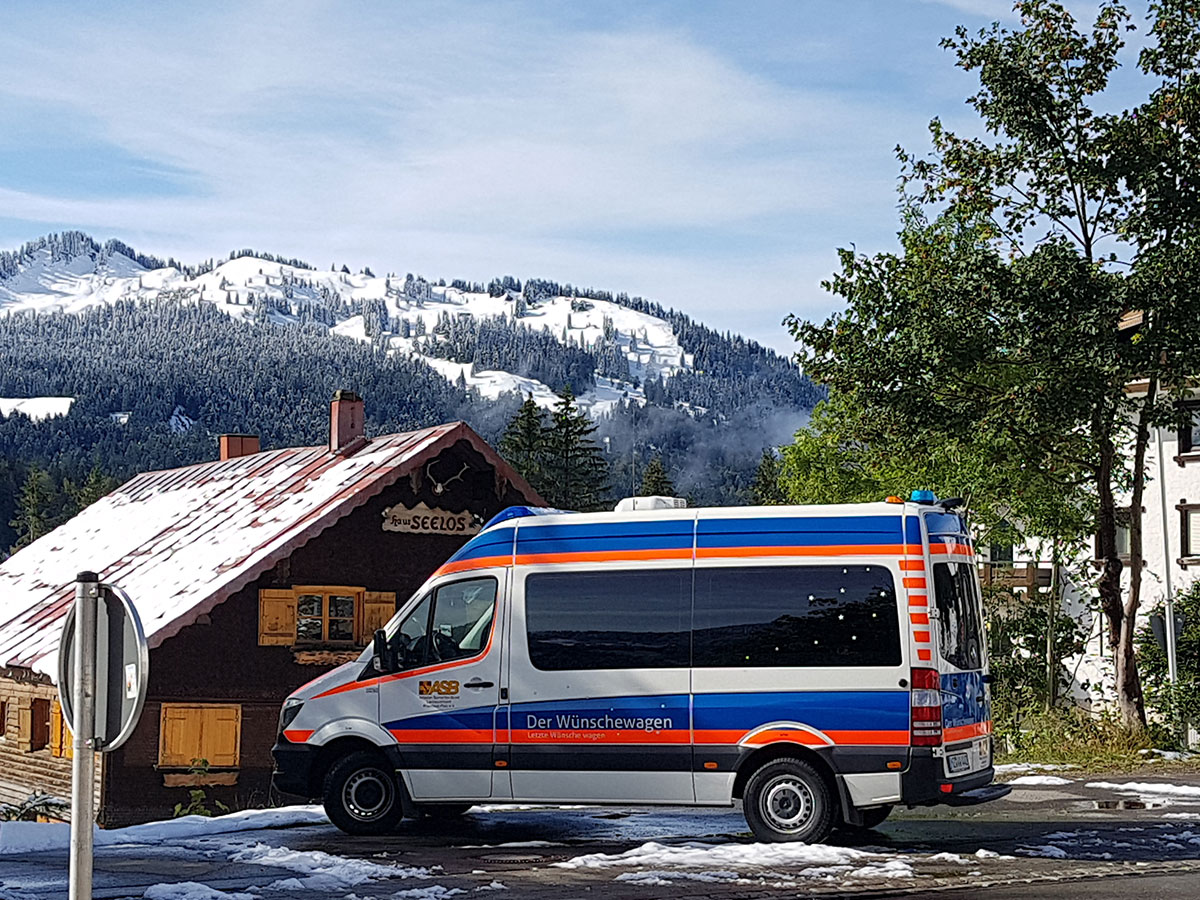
<point x="788" y="800"/>
<point x="361" y="794"/>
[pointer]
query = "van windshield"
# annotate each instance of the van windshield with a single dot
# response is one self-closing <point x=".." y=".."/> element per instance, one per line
<point x="960" y="629"/>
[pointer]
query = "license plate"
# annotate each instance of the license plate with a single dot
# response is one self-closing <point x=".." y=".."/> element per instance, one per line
<point x="958" y="762"/>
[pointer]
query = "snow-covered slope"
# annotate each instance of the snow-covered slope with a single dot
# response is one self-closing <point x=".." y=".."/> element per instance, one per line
<point x="45" y="279"/>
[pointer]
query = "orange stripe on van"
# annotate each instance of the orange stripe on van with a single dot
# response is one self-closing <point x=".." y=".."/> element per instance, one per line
<point x="915" y="583"/>
<point x="919" y="618"/>
<point x="464" y="565"/>
<point x="912" y="565"/>
<point x="831" y="550"/>
<point x="442" y="736"/>
<point x="411" y="673"/>
<point x="918" y="599"/>
<point x="921" y="637"/>
<point x="871" y="738"/>
<point x="923" y="655"/>
<point x="966" y="732"/>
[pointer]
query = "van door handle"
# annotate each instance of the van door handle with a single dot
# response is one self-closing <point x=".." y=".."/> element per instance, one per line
<point x="479" y="684"/>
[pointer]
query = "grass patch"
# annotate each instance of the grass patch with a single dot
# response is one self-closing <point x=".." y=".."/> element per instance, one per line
<point x="1077" y="738"/>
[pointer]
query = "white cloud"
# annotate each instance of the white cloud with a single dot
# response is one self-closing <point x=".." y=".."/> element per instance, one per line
<point x="463" y="141"/>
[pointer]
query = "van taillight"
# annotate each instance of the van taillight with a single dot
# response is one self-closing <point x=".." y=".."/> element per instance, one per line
<point x="926" y="708"/>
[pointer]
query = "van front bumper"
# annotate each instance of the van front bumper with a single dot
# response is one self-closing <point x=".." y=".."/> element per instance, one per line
<point x="294" y="765"/>
<point x="925" y="783"/>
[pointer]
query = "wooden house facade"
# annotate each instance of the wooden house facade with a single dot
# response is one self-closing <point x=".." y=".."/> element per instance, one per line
<point x="253" y="574"/>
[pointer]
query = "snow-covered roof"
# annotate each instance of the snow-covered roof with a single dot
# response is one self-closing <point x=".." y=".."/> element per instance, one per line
<point x="181" y="541"/>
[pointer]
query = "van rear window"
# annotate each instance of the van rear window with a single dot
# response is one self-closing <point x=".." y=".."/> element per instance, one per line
<point x="608" y="620"/>
<point x="801" y="616"/>
<point x="960" y="629"/>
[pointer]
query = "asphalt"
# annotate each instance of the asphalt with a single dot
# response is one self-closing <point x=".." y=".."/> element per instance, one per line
<point x="1062" y="840"/>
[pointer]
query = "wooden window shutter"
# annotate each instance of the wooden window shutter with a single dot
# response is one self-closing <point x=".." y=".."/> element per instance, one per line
<point x="276" y="617"/>
<point x="56" y="729"/>
<point x="210" y="732"/>
<point x="378" y="607"/>
<point x="25" y="723"/>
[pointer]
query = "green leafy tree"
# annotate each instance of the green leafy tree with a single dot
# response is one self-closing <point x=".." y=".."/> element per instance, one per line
<point x="655" y="480"/>
<point x="576" y="470"/>
<point x="999" y="332"/>
<point x="1181" y="702"/>
<point x="524" y="444"/>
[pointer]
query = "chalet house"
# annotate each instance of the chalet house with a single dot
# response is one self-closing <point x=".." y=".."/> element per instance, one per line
<point x="252" y="575"/>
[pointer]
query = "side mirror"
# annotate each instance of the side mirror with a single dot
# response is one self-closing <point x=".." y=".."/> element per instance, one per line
<point x="383" y="660"/>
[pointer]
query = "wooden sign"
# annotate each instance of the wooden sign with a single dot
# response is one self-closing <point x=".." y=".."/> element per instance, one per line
<point x="422" y="519"/>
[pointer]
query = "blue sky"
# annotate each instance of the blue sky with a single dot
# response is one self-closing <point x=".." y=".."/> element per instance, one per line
<point x="709" y="155"/>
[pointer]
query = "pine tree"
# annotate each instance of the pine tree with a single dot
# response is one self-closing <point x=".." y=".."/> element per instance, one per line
<point x="576" y="470"/>
<point x="765" y="489"/>
<point x="36" y="507"/>
<point x="97" y="485"/>
<point x="655" y="480"/>
<point x="524" y="444"/>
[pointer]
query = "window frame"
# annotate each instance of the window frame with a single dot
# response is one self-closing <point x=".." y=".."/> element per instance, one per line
<point x="1185" y="537"/>
<point x="326" y="591"/>
<point x="1124" y="517"/>
<point x="1187" y="451"/>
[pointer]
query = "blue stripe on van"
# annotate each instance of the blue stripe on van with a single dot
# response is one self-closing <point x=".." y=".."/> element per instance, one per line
<point x="824" y="710"/>
<point x="675" y="534"/>
<point x="487" y="543"/>
<point x="799" y="532"/>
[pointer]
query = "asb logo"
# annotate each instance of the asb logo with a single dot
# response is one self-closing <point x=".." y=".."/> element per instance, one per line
<point x="445" y="688"/>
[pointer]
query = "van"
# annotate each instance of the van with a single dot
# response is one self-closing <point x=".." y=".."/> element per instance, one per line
<point x="822" y="664"/>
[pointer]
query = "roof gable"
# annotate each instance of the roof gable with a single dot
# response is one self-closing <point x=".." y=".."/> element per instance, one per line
<point x="181" y="541"/>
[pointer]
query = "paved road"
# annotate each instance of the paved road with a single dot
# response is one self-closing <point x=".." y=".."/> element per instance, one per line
<point x="1069" y="840"/>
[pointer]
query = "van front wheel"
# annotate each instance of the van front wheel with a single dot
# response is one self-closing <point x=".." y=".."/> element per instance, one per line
<point x="788" y="800"/>
<point x="361" y="795"/>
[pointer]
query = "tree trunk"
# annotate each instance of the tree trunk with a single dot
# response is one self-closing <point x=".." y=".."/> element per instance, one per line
<point x="1129" y="687"/>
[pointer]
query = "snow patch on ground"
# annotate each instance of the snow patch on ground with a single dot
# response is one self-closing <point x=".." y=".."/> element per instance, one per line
<point x="37" y="408"/>
<point x="433" y="892"/>
<point x="1041" y="780"/>
<point x="192" y="890"/>
<point x="37" y="837"/>
<point x="1048" y="851"/>
<point x="1190" y="791"/>
<point x="1017" y="768"/>
<point x="322" y="871"/>
<point x="663" y="861"/>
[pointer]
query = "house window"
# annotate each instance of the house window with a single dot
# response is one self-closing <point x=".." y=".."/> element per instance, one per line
<point x="1189" y="532"/>
<point x="321" y="614"/>
<point x="1189" y="435"/>
<point x="3" y="720"/>
<point x="39" y="732"/>
<point x="189" y="732"/>
<point x="325" y="616"/>
<point x="1124" y="515"/>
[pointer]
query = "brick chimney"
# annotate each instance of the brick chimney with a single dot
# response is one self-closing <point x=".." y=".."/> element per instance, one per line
<point x="234" y="445"/>
<point x="345" y="421"/>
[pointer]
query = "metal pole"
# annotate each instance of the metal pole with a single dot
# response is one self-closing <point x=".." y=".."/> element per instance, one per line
<point x="1169" y="618"/>
<point x="83" y="768"/>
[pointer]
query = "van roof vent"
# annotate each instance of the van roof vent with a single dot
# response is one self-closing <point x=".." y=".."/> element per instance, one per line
<point x="629" y="504"/>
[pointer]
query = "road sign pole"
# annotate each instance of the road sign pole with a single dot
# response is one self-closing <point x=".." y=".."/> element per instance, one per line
<point x="83" y="727"/>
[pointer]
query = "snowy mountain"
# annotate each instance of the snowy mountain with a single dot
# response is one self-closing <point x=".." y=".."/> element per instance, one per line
<point x="113" y="359"/>
<point x="406" y="315"/>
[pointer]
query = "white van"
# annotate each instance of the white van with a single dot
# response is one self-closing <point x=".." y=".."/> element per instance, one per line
<point x="821" y="663"/>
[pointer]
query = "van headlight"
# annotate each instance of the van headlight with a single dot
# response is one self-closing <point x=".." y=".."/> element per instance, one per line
<point x="291" y="709"/>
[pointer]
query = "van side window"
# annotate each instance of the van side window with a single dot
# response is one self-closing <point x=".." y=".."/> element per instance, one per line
<point x="608" y="620"/>
<point x="960" y="632"/>
<point x="801" y="616"/>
